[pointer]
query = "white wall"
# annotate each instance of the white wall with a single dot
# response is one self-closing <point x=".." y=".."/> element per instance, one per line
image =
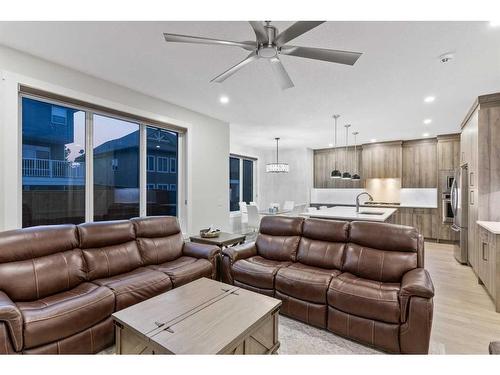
<point x="295" y="185"/>
<point x="207" y="138"/>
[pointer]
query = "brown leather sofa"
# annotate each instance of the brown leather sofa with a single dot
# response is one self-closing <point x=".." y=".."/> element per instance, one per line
<point x="361" y="280"/>
<point x="60" y="284"/>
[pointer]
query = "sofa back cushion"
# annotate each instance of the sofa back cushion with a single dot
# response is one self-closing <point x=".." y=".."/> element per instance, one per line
<point x="39" y="261"/>
<point x="323" y="243"/>
<point x="159" y="239"/>
<point x="109" y="248"/>
<point x="279" y="237"/>
<point x="380" y="251"/>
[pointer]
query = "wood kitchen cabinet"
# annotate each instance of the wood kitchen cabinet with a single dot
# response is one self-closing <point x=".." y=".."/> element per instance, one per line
<point x="488" y="261"/>
<point x="325" y="161"/>
<point x="382" y="160"/>
<point x="424" y="219"/>
<point x="419" y="163"/>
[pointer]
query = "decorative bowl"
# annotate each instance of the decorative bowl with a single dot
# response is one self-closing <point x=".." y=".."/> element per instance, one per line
<point x="204" y="234"/>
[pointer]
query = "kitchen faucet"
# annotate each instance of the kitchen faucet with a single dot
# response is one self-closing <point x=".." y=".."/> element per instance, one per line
<point x="357" y="199"/>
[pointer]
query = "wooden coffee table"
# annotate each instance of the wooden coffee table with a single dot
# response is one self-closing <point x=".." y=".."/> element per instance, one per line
<point x="223" y="240"/>
<point x="202" y="317"/>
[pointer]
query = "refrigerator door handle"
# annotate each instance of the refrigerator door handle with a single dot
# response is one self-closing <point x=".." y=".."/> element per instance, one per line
<point x="454" y="199"/>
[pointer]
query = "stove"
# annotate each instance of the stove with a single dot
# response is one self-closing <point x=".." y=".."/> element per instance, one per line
<point x="374" y="203"/>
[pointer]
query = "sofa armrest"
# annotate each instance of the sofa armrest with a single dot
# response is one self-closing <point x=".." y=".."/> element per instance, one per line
<point x="242" y="251"/>
<point x="415" y="283"/>
<point x="494" y="347"/>
<point x="199" y="250"/>
<point x="10" y="314"/>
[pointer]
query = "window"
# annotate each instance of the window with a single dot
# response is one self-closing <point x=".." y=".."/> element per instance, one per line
<point x="53" y="164"/>
<point x="150" y="163"/>
<point x="162" y="145"/>
<point x="234" y="184"/>
<point x="240" y="181"/>
<point x="116" y="168"/>
<point x="59" y="115"/>
<point x="173" y="165"/>
<point x="163" y="166"/>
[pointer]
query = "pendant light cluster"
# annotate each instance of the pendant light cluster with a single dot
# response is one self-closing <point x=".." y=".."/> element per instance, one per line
<point x="346" y="175"/>
<point x="277" y="167"/>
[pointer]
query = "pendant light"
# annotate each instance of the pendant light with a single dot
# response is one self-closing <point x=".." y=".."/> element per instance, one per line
<point x="346" y="175"/>
<point x="335" y="173"/>
<point x="277" y="167"/>
<point x="355" y="176"/>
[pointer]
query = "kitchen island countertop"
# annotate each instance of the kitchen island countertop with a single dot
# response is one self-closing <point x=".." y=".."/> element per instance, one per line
<point x="379" y="214"/>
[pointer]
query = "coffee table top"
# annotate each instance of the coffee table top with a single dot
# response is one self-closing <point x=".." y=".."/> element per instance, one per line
<point x="202" y="317"/>
<point x="224" y="239"/>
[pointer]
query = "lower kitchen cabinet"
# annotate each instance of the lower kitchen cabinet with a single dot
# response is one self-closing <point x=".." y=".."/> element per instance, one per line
<point x="488" y="248"/>
<point x="424" y="219"/>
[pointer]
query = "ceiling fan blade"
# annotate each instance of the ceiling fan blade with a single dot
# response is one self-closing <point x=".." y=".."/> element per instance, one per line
<point x="177" y="38"/>
<point x="330" y="55"/>
<point x="228" y="73"/>
<point x="280" y="73"/>
<point x="260" y="31"/>
<point x="297" y="29"/>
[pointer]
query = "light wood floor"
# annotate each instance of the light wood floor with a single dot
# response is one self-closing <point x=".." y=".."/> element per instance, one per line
<point x="465" y="320"/>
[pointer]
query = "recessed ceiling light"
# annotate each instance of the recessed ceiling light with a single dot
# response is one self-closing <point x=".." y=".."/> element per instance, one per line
<point x="425" y="134"/>
<point x="429" y="99"/>
<point x="427" y="121"/>
<point x="373" y="140"/>
<point x="224" y="99"/>
<point x="330" y="144"/>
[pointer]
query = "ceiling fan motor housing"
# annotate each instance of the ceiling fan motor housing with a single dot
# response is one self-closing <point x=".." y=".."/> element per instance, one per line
<point x="268" y="50"/>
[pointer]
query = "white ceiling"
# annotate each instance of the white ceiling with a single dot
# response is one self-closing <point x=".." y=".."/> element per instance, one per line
<point x="381" y="96"/>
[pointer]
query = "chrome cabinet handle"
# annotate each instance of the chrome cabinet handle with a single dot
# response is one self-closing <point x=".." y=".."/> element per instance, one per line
<point x="471" y="197"/>
<point x="471" y="179"/>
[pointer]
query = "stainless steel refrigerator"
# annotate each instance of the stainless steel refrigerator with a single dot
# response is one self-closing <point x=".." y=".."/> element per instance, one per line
<point x="460" y="207"/>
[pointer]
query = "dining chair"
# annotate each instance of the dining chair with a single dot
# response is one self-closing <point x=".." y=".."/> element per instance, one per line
<point x="298" y="209"/>
<point x="244" y="213"/>
<point x="288" y="205"/>
<point x="253" y="217"/>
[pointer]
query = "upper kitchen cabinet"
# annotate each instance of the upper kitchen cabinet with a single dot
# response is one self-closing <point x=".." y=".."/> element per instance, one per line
<point x="448" y="152"/>
<point x="325" y="160"/>
<point x="419" y="163"/>
<point x="382" y="160"/>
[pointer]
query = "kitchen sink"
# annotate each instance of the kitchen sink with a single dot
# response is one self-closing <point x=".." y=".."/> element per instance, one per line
<point x="370" y="213"/>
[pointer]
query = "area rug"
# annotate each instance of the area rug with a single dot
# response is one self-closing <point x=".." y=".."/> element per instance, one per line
<point x="299" y="338"/>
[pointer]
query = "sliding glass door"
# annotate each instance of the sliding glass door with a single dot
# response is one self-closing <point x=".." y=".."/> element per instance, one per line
<point x="53" y="164"/>
<point x="132" y="168"/>
<point x="116" y="168"/>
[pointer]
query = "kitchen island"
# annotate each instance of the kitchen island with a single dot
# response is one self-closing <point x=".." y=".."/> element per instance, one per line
<point x="379" y="214"/>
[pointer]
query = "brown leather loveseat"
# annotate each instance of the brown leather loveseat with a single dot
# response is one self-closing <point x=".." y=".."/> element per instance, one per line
<point x="361" y="280"/>
<point x="60" y="284"/>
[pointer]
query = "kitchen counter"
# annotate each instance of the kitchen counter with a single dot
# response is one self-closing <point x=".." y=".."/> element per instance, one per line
<point x="379" y="214"/>
<point x="402" y="205"/>
<point x="491" y="226"/>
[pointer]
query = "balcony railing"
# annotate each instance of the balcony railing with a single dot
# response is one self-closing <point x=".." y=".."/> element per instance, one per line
<point x="52" y="168"/>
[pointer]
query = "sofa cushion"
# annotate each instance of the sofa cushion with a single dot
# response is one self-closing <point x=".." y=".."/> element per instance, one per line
<point x="29" y="256"/>
<point x="64" y="314"/>
<point x="305" y="282"/>
<point x="257" y="271"/>
<point x="109" y="248"/>
<point x="159" y="239"/>
<point x="183" y="270"/>
<point x="380" y="251"/>
<point x="323" y="243"/>
<point x="136" y="286"/>
<point x="279" y="237"/>
<point x="366" y="298"/>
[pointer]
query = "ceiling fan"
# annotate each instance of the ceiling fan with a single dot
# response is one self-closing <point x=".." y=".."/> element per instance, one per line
<point x="270" y="45"/>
